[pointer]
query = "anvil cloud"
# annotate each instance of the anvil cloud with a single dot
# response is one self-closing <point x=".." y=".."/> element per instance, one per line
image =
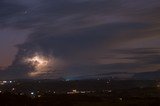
<point x="86" y="36"/>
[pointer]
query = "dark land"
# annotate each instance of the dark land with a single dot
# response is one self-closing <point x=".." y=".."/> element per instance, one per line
<point x="80" y="93"/>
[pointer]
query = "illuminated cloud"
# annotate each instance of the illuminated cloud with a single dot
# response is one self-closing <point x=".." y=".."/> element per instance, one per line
<point x="40" y="64"/>
<point x="87" y="34"/>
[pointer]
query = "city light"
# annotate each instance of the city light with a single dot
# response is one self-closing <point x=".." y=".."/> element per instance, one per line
<point x="32" y="93"/>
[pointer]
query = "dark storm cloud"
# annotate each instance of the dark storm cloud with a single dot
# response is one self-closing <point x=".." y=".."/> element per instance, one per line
<point x="121" y="62"/>
<point x="86" y="33"/>
<point x="8" y="12"/>
<point x="57" y="14"/>
<point x="146" y="56"/>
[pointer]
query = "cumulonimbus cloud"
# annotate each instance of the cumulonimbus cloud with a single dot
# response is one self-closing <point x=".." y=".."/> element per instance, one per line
<point x="81" y="33"/>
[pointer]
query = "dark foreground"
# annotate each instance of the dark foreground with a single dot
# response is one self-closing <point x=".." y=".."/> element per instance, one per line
<point x="80" y="93"/>
<point x="8" y="99"/>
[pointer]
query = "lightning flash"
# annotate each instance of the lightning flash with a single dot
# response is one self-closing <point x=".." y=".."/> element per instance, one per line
<point x="40" y="63"/>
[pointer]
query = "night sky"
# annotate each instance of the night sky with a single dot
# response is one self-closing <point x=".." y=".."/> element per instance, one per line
<point x="78" y="38"/>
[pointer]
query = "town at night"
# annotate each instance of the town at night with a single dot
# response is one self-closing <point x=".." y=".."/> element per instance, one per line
<point x="79" y="53"/>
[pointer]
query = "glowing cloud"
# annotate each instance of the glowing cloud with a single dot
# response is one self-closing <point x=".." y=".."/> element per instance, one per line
<point x="40" y="63"/>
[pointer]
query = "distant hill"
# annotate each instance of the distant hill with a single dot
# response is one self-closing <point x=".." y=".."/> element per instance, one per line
<point x="154" y="75"/>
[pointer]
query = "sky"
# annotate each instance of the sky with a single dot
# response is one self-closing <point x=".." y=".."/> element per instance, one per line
<point x="78" y="38"/>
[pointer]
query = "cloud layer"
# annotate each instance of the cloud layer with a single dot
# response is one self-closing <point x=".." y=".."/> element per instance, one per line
<point x="87" y="36"/>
